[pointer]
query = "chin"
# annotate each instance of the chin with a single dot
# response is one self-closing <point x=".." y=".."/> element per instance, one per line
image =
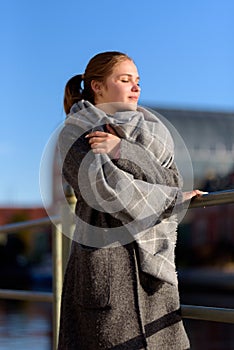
<point x="132" y="106"/>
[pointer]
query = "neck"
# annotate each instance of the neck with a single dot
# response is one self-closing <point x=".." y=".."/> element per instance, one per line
<point x="112" y="107"/>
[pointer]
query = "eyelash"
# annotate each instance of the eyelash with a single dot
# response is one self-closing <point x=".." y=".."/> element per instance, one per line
<point x="127" y="81"/>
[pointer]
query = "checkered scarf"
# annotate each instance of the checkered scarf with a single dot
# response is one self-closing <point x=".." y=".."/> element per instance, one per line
<point x="142" y="188"/>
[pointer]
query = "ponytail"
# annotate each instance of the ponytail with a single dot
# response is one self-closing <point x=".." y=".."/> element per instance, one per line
<point x="73" y="92"/>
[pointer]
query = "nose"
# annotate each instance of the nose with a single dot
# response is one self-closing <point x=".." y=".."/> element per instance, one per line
<point x="136" y="88"/>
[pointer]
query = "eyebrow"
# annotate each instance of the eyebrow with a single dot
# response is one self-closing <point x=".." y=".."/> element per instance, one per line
<point x="129" y="75"/>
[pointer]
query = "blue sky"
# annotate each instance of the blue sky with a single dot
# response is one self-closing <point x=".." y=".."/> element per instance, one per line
<point x="184" y="51"/>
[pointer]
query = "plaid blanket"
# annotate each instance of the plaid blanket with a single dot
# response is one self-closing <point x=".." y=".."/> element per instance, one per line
<point x="142" y="188"/>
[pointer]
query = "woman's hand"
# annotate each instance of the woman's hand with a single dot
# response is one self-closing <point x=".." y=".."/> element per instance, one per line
<point x="195" y="193"/>
<point x="105" y="142"/>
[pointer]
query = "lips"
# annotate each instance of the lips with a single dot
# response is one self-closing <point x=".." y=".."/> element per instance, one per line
<point x="134" y="98"/>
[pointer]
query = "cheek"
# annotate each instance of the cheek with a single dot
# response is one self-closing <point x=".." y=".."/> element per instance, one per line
<point x="117" y="92"/>
<point x="122" y="90"/>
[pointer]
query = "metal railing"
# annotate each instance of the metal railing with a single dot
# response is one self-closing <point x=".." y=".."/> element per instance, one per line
<point x="60" y="252"/>
<point x="213" y="198"/>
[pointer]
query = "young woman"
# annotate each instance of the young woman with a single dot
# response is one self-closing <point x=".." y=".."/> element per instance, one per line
<point x="120" y="287"/>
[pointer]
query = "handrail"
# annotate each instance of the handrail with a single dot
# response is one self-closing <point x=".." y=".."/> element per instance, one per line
<point x="207" y="313"/>
<point x="212" y="199"/>
<point x="9" y="228"/>
<point x="26" y="295"/>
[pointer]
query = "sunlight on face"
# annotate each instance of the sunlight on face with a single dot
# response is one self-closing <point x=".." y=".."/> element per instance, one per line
<point x="121" y="87"/>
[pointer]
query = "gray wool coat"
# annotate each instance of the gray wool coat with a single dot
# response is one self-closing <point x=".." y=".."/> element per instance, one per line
<point x="108" y="302"/>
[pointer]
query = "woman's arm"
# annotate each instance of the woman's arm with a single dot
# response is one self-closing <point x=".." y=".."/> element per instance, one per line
<point x="116" y="148"/>
<point x="125" y="150"/>
<point x="107" y="188"/>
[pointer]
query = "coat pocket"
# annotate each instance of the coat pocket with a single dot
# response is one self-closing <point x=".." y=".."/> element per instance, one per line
<point x="92" y="277"/>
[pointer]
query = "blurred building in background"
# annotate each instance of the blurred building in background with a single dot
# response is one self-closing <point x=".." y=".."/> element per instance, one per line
<point x="209" y="137"/>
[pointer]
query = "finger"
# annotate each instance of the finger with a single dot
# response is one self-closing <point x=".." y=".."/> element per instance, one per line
<point x="98" y="144"/>
<point x="97" y="140"/>
<point x="99" y="150"/>
<point x="96" y="133"/>
<point x="200" y="193"/>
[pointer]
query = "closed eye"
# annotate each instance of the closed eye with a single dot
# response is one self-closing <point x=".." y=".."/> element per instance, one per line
<point x="129" y="78"/>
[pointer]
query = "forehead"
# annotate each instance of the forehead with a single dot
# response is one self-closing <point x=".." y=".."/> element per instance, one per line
<point x="125" y="67"/>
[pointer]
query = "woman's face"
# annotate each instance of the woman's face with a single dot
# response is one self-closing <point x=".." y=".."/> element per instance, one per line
<point x="121" y="86"/>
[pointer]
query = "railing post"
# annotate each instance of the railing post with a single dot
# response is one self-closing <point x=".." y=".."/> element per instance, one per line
<point x="62" y="238"/>
<point x="57" y="280"/>
<point x="67" y="219"/>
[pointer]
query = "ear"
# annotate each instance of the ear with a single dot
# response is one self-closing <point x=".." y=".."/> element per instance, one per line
<point x="96" y="86"/>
